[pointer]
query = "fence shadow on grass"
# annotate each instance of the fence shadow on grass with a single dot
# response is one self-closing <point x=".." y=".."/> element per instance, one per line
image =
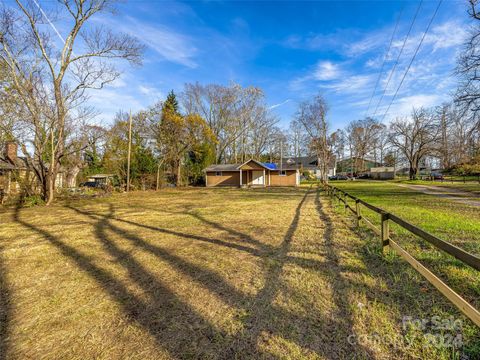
<point x="407" y="293"/>
<point x="5" y="309"/>
<point x="344" y="320"/>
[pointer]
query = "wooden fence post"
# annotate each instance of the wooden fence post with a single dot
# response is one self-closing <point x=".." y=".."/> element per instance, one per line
<point x="385" y="230"/>
<point x="357" y="210"/>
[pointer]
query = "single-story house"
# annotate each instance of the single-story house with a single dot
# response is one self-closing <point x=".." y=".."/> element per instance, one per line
<point x="252" y="173"/>
<point x="310" y="164"/>
<point x="382" y="173"/>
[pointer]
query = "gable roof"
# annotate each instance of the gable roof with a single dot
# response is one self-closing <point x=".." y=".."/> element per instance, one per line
<point x="304" y="161"/>
<point x="256" y="162"/>
<point x="307" y="162"/>
<point x="222" y="167"/>
<point x="20" y="164"/>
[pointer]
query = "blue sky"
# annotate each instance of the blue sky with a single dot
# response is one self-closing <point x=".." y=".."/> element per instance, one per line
<point x="291" y="50"/>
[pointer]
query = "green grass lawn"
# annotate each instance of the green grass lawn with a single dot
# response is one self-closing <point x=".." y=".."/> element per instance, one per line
<point x="454" y="222"/>
<point x="208" y="274"/>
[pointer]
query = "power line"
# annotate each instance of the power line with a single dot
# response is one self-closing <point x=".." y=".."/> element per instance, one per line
<point x="413" y="58"/>
<point x="384" y="61"/>
<point x="398" y="57"/>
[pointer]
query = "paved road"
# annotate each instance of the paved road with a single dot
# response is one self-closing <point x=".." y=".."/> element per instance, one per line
<point x="456" y="195"/>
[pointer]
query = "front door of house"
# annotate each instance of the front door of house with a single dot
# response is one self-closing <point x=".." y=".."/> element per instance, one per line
<point x="257" y="177"/>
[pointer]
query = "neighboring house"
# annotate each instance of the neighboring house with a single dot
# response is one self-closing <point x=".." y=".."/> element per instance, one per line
<point x="13" y="170"/>
<point x="356" y="165"/>
<point x="382" y="173"/>
<point x="310" y="164"/>
<point x="99" y="180"/>
<point x="252" y="173"/>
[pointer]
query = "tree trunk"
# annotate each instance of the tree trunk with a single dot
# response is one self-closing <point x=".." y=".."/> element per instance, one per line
<point x="158" y="178"/>
<point x="48" y="189"/>
<point x="179" y="174"/>
<point x="413" y="170"/>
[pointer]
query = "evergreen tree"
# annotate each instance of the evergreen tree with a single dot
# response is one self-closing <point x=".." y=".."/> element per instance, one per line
<point x="171" y="104"/>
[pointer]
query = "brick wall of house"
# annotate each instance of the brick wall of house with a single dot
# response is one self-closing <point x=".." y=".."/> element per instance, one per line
<point x="11" y="151"/>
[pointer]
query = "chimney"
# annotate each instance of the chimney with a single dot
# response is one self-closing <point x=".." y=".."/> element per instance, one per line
<point x="11" y="151"/>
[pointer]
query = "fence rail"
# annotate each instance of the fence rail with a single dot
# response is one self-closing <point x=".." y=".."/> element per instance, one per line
<point x="384" y="232"/>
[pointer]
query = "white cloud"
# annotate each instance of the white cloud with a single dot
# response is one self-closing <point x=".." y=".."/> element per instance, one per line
<point x="110" y="100"/>
<point x="134" y="97"/>
<point x="352" y="84"/>
<point x="171" y="46"/>
<point x="449" y="34"/>
<point x="118" y="83"/>
<point x="326" y="70"/>
<point x="168" y="44"/>
<point x="370" y="42"/>
<point x="150" y="92"/>
<point x="404" y="106"/>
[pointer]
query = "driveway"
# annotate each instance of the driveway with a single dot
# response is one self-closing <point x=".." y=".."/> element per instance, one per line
<point x="464" y="197"/>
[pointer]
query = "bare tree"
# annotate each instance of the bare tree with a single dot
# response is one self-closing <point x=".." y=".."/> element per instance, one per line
<point x="230" y="111"/>
<point x="51" y="84"/>
<point x="363" y="137"/>
<point x="337" y="140"/>
<point x="277" y="144"/>
<point x="298" y="138"/>
<point x="260" y="134"/>
<point x="312" y="115"/>
<point x="415" y="138"/>
<point x="468" y="93"/>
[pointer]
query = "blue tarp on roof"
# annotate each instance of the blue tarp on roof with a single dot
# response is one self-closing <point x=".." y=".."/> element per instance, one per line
<point x="271" y="166"/>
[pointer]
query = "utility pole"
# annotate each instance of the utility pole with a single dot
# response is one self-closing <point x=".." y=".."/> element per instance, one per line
<point x="129" y="149"/>
<point x="281" y="155"/>
<point x="395" y="164"/>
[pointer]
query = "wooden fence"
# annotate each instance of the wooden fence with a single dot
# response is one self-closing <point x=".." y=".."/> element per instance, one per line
<point x="384" y="233"/>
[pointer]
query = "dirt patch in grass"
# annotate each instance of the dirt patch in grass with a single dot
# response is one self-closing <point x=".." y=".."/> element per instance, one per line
<point x="204" y="273"/>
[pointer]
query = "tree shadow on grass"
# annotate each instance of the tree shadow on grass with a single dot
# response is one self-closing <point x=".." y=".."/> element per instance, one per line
<point x="5" y="310"/>
<point x="182" y="330"/>
<point x="146" y="314"/>
<point x="256" y="248"/>
<point x="263" y="316"/>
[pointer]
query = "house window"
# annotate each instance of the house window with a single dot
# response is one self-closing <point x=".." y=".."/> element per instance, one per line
<point x="282" y="173"/>
<point x="218" y="173"/>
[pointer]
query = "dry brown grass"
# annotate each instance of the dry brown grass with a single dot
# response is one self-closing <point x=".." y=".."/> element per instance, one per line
<point x="198" y="273"/>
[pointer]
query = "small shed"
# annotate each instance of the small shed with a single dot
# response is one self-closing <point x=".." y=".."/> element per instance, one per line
<point x="382" y="173"/>
<point x="101" y="180"/>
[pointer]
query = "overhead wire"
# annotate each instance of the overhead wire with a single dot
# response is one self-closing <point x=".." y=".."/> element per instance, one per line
<point x="398" y="57"/>
<point x="384" y="61"/>
<point x="413" y="57"/>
